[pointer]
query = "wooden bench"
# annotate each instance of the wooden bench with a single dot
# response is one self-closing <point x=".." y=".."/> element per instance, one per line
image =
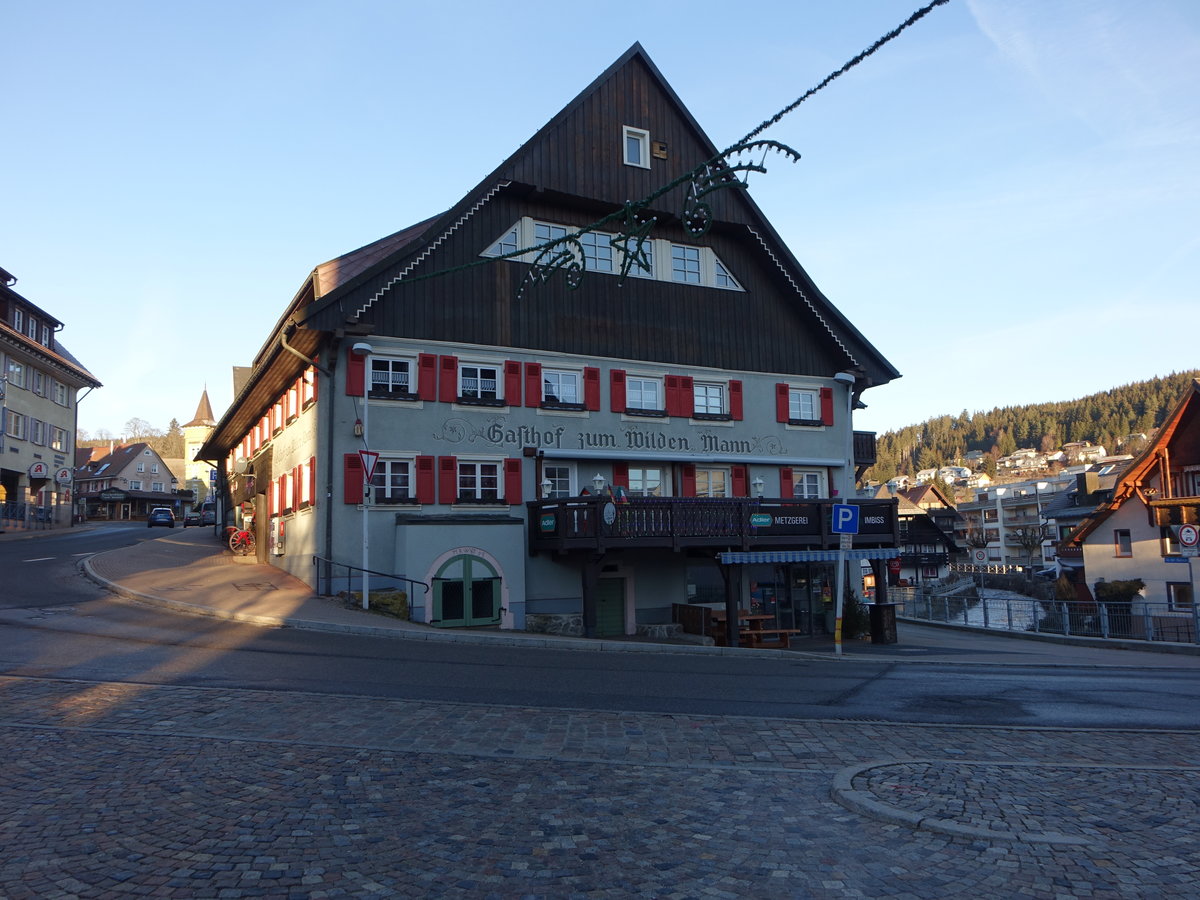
<point x="757" y="637"/>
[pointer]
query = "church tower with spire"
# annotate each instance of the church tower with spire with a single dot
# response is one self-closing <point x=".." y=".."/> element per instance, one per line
<point x="195" y="433"/>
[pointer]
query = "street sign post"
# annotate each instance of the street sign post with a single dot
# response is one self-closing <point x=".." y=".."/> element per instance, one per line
<point x="844" y="522"/>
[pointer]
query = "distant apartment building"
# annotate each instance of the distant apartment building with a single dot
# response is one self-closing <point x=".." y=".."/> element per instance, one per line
<point x="39" y="385"/>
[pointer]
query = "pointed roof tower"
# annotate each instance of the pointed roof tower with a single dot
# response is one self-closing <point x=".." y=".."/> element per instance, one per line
<point x="204" y="414"/>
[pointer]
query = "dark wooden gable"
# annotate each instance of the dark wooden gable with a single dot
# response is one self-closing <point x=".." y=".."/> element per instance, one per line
<point x="572" y="173"/>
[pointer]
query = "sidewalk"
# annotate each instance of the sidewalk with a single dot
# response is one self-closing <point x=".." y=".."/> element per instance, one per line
<point x="188" y="571"/>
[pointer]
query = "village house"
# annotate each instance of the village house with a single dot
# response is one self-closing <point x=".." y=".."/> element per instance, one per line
<point x="549" y="409"/>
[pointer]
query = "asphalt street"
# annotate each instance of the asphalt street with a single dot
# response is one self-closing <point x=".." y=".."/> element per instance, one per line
<point x="148" y="784"/>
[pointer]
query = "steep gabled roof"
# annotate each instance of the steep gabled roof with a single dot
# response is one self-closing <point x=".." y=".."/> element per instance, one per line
<point x="334" y="308"/>
<point x="1148" y="466"/>
<point x="204" y="413"/>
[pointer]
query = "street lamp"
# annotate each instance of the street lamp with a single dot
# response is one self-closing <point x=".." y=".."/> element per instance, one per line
<point x="547" y="486"/>
<point x="365" y="349"/>
<point x="598" y="482"/>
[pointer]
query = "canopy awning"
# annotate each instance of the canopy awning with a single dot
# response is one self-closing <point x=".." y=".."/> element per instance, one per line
<point x="789" y="556"/>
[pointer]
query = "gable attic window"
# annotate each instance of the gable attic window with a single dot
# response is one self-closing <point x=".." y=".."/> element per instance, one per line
<point x="635" y="143"/>
<point x="680" y="263"/>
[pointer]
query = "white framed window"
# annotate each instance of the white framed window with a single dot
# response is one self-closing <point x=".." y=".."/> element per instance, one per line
<point x="1122" y="542"/>
<point x="18" y="319"/>
<point x="392" y="481"/>
<point x="58" y="439"/>
<point x="708" y="399"/>
<point x="543" y="232"/>
<point x="646" y="481"/>
<point x="804" y="405"/>
<point x="561" y="479"/>
<point x="154" y="468"/>
<point x="141" y="467"/>
<point x="156" y="486"/>
<point x="712" y="482"/>
<point x="45" y="335"/>
<point x="16" y="373"/>
<point x="685" y="264"/>
<point x="39" y="382"/>
<point x="392" y="377"/>
<point x="478" y="481"/>
<point x="560" y="386"/>
<point x="15" y="424"/>
<point x="37" y="431"/>
<point x="635" y="147"/>
<point x="135" y="485"/>
<point x="597" y="251"/>
<point x="643" y="393"/>
<point x="636" y="268"/>
<point x="808" y="485"/>
<point x="32" y="328"/>
<point x="479" y="382"/>
<point x="722" y="277"/>
<point x="60" y="392"/>
<point x="509" y="242"/>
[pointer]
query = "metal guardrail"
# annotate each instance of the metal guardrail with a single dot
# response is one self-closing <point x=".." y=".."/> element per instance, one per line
<point x="328" y="579"/>
<point x="1139" y="620"/>
<point x="26" y="516"/>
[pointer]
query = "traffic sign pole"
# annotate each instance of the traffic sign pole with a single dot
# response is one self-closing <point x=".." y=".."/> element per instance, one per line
<point x="845" y="525"/>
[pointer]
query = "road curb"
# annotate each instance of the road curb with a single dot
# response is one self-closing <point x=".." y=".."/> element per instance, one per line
<point x="867" y="804"/>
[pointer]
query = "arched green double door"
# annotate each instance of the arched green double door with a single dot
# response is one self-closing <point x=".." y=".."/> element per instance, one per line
<point x="466" y="592"/>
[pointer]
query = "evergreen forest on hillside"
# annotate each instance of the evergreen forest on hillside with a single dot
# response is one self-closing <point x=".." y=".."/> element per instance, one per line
<point x="1107" y="419"/>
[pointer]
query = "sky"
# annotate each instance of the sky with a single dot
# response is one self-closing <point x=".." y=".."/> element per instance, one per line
<point x="1003" y="200"/>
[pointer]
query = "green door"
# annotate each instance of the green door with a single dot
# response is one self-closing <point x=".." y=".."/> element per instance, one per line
<point x="610" y="607"/>
<point x="466" y="592"/>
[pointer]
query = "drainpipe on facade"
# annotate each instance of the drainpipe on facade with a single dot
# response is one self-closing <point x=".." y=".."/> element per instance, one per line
<point x="334" y="352"/>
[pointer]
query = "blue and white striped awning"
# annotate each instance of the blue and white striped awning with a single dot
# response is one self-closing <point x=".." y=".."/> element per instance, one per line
<point x="790" y="556"/>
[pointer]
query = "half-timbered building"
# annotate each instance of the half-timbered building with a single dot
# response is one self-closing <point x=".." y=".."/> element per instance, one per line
<point x="585" y="410"/>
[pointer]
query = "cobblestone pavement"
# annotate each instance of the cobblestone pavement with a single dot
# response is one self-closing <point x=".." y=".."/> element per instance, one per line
<point x="119" y="790"/>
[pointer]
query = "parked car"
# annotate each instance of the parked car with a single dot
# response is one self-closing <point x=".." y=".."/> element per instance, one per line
<point x="191" y="517"/>
<point x="160" y="515"/>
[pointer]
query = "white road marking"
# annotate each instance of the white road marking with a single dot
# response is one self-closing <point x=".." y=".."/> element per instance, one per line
<point x="39" y="559"/>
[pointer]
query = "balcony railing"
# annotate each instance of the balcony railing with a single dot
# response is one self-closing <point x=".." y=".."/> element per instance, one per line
<point x="600" y="522"/>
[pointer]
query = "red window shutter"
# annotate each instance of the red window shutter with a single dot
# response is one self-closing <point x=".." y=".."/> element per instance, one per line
<point x="427" y="376"/>
<point x="512" y="383"/>
<point x="533" y="384"/>
<point x="512" y="481"/>
<point x="620" y="475"/>
<point x="591" y="388"/>
<point x="687" y="396"/>
<point x="740" y="484"/>
<point x="356" y="367"/>
<point x="448" y="379"/>
<point x="786" y="486"/>
<point x="673" y="405"/>
<point x="781" y="402"/>
<point x="688" y="474"/>
<point x="826" y="406"/>
<point x="425" y="480"/>
<point x="735" y="400"/>
<point x="616" y="390"/>
<point x="353" y="481"/>
<point x="312" y="481"/>
<point x="447" y="479"/>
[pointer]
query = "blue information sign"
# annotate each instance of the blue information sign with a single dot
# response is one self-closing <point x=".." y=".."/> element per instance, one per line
<point x="845" y="519"/>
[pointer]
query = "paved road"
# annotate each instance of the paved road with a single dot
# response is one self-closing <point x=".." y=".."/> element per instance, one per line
<point x="140" y="787"/>
<point x="123" y="789"/>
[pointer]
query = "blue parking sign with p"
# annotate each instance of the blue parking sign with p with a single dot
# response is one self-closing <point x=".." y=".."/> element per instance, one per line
<point x="845" y="518"/>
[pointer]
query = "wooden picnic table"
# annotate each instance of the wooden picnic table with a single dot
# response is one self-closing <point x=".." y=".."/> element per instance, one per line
<point x="754" y="633"/>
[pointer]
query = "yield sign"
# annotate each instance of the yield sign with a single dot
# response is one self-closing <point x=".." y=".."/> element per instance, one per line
<point x="369" y="458"/>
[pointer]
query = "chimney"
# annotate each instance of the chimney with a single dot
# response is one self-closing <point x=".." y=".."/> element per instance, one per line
<point x="1087" y="482"/>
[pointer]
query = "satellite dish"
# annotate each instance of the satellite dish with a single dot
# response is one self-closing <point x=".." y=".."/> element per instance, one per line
<point x="241" y="465"/>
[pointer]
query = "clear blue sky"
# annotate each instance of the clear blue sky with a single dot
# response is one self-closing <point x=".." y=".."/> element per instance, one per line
<point x="1004" y="200"/>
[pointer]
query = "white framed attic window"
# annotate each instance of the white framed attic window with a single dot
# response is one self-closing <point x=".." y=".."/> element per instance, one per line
<point x="635" y="147"/>
<point x="665" y="260"/>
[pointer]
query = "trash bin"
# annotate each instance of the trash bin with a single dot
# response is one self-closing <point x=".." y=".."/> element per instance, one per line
<point x="883" y="623"/>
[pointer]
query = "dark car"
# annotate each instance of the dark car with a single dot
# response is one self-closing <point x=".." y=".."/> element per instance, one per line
<point x="160" y="515"/>
<point x="192" y="517"/>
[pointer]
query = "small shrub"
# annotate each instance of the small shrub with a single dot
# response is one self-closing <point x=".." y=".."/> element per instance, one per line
<point x="386" y="603"/>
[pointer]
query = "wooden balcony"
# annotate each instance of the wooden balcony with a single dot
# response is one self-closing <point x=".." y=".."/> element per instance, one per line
<point x="864" y="449"/>
<point x="599" y="523"/>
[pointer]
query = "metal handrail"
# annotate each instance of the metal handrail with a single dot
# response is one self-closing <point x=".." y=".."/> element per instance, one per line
<point x="317" y="560"/>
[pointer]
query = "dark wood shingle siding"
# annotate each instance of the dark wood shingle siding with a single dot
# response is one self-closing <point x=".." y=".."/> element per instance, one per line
<point x="764" y="328"/>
